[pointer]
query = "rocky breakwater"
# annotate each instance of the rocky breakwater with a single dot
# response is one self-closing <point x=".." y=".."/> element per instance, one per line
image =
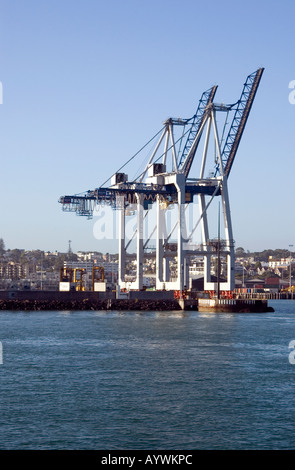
<point x="88" y="304"/>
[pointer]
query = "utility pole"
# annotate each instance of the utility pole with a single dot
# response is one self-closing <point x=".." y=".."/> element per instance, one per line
<point x="290" y="269"/>
<point x="218" y="255"/>
<point x="41" y="278"/>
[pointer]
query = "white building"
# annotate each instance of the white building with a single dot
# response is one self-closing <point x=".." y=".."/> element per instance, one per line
<point x="282" y="263"/>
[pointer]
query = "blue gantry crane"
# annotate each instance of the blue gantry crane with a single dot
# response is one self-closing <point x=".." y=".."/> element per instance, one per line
<point x="169" y="178"/>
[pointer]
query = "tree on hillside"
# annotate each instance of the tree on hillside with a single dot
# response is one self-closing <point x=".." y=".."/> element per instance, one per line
<point x="2" y="247"/>
<point x="15" y="255"/>
<point x="276" y="254"/>
<point x="240" y="252"/>
<point x="268" y="274"/>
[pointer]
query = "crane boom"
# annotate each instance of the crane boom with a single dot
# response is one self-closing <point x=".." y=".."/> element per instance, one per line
<point x="239" y="120"/>
<point x="191" y="144"/>
<point x="84" y="204"/>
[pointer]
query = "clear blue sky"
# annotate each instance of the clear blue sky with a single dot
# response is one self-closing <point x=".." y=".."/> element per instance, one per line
<point x="87" y="83"/>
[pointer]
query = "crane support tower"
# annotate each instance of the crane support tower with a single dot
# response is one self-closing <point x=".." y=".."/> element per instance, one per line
<point x="173" y="176"/>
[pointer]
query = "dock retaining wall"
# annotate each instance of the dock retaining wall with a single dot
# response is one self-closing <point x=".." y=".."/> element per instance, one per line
<point x="56" y="300"/>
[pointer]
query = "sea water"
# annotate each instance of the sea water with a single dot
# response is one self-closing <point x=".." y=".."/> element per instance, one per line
<point x="147" y="380"/>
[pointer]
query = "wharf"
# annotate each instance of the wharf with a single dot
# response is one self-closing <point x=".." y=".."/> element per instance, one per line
<point x="56" y="300"/>
<point x="234" y="305"/>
